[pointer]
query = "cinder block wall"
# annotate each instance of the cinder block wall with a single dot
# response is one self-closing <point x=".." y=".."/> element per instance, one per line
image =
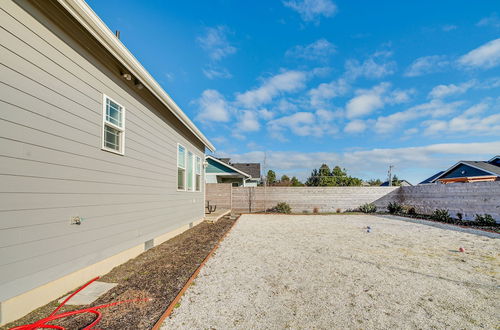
<point x="300" y="199"/>
<point x="467" y="198"/>
<point x="219" y="194"/>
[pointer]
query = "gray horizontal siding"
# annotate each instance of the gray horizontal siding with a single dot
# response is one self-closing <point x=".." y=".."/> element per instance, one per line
<point x="52" y="167"/>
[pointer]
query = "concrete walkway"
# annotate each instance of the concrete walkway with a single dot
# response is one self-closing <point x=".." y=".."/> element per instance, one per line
<point x="324" y="272"/>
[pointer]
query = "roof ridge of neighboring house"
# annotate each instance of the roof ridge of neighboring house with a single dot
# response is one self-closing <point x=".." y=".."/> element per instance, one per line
<point x="228" y="165"/>
<point x="490" y="168"/>
<point x="82" y="13"/>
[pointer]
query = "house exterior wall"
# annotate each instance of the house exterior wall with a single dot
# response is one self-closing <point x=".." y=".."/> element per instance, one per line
<point x="52" y="167"/>
<point x="468" y="172"/>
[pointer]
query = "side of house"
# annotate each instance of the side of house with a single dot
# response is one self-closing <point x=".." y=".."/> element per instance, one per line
<point x="97" y="163"/>
<point x="221" y="171"/>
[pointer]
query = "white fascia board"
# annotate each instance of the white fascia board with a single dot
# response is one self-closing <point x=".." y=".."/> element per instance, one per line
<point x="81" y="11"/>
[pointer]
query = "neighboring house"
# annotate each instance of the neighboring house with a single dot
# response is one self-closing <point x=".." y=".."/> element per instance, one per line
<point x="221" y="170"/>
<point x="468" y="171"/>
<point x="98" y="162"/>
<point x="402" y="183"/>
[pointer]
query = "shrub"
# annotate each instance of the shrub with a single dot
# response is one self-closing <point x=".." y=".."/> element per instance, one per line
<point x="410" y="210"/>
<point x="339" y="210"/>
<point x="460" y="216"/>
<point x="315" y="210"/>
<point x="485" y="219"/>
<point x="368" y="208"/>
<point x="394" y="208"/>
<point x="441" y="215"/>
<point x="282" y="207"/>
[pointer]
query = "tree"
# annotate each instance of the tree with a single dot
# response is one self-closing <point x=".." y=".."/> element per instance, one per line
<point x="375" y="182"/>
<point x="295" y="182"/>
<point x="337" y="177"/>
<point x="395" y="181"/>
<point x="271" y="177"/>
<point x="285" y="179"/>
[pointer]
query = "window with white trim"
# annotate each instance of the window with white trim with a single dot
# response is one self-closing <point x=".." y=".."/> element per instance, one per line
<point x="113" y="136"/>
<point x="197" y="177"/>
<point x="190" y="172"/>
<point x="181" y="167"/>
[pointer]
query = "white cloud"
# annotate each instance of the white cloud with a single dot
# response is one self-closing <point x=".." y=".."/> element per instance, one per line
<point x="449" y="27"/>
<point x="434" y="108"/>
<point x="266" y="114"/>
<point x="288" y="81"/>
<point x="328" y="91"/>
<point x="212" y="72"/>
<point x="366" y="101"/>
<point x="215" y="42"/>
<point x="374" y="67"/>
<point x="248" y="121"/>
<point x="442" y="91"/>
<point x="471" y="121"/>
<point x="312" y="10"/>
<point x="320" y="50"/>
<point x="492" y="21"/>
<point x="355" y="126"/>
<point x="303" y="124"/>
<point x="213" y="107"/>
<point x="485" y="56"/>
<point x="412" y="163"/>
<point x="427" y="64"/>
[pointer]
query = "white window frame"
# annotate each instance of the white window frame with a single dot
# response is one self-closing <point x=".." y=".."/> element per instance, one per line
<point x="185" y="167"/>
<point x="105" y="123"/>
<point x="192" y="189"/>
<point x="197" y="160"/>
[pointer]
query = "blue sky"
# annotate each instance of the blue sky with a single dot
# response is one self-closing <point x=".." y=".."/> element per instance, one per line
<point x="360" y="84"/>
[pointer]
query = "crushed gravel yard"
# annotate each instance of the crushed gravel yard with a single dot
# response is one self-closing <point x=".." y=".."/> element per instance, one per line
<point x="323" y="272"/>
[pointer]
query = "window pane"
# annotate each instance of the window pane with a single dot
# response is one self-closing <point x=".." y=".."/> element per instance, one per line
<point x="113" y="113"/>
<point x="190" y="171"/>
<point x="111" y="138"/>
<point x="198" y="165"/>
<point x="198" y="182"/>
<point x="181" y="157"/>
<point x="180" y="178"/>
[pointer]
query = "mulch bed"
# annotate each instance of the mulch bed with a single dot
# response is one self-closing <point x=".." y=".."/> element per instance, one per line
<point x="159" y="273"/>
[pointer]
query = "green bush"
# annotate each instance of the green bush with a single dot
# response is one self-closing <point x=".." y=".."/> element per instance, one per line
<point x="394" y="208"/>
<point x="368" y="208"/>
<point x="282" y="207"/>
<point x="485" y="219"/>
<point x="441" y="215"/>
<point x="460" y="216"/>
<point x="409" y="210"/>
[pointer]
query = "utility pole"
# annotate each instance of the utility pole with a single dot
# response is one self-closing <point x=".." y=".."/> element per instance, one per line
<point x="390" y="174"/>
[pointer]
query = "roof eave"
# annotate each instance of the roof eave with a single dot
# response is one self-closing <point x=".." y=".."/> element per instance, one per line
<point x="229" y="166"/>
<point x="81" y="11"/>
<point x="463" y="163"/>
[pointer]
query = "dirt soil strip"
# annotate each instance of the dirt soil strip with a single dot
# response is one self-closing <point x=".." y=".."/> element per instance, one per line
<point x="189" y="282"/>
<point x="159" y="273"/>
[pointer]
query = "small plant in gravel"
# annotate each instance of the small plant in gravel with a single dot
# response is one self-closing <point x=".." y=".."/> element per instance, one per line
<point x="394" y="208"/>
<point x="339" y="210"/>
<point x="409" y="210"/>
<point x="441" y="215"/>
<point x="485" y="219"/>
<point x="368" y="208"/>
<point x="282" y="207"/>
<point x="315" y="210"/>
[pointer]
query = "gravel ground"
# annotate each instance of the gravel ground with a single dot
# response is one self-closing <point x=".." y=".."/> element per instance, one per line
<point x="320" y="272"/>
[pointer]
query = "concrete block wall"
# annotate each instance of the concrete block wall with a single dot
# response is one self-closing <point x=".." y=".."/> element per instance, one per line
<point x="467" y="198"/>
<point x="300" y="199"/>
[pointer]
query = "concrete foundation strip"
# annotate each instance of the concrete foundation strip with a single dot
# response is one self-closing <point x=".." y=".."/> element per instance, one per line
<point x="188" y="283"/>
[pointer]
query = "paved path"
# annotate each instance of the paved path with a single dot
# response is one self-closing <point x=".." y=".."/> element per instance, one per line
<point x="324" y="272"/>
